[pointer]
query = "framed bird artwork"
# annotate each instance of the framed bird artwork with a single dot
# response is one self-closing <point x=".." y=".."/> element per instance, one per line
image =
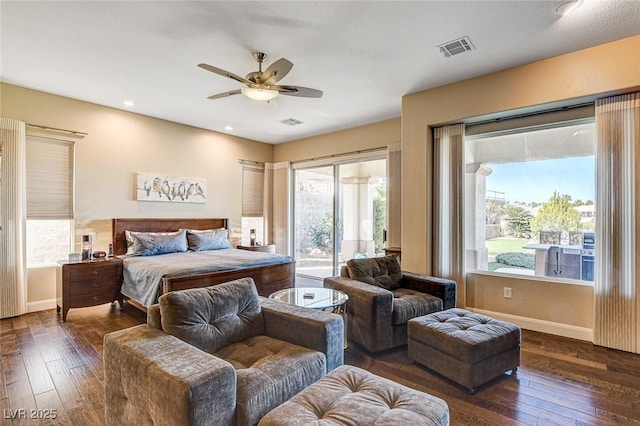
<point x="153" y="187"/>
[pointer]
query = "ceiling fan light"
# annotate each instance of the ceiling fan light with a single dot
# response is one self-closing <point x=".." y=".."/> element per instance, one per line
<point x="259" y="94"/>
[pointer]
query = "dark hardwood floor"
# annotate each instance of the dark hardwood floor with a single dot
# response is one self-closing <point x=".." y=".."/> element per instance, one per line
<point x="49" y="365"/>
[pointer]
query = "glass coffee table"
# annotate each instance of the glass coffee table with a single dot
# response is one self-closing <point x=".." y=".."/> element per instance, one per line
<point x="325" y="299"/>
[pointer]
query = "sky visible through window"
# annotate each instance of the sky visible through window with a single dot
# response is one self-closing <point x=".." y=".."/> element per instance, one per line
<point x="535" y="181"/>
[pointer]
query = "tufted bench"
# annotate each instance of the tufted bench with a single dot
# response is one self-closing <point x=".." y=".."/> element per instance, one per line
<point x="352" y="396"/>
<point x="466" y="347"/>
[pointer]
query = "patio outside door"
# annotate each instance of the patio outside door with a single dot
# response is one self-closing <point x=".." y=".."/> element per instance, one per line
<point x="330" y="229"/>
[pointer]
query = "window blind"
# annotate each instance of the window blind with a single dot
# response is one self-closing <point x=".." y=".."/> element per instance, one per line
<point x="253" y="190"/>
<point x="49" y="167"/>
<point x="525" y="122"/>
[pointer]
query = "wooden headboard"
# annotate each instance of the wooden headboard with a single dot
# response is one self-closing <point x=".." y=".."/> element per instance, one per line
<point x="157" y="225"/>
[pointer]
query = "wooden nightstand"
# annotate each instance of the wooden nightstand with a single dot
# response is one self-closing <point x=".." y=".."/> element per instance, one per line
<point x="269" y="248"/>
<point x="397" y="251"/>
<point x="87" y="283"/>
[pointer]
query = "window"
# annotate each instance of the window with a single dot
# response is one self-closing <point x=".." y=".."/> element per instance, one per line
<point x="48" y="241"/>
<point x="530" y="201"/>
<point x="49" y="165"/>
<point x="249" y="223"/>
<point x="339" y="212"/>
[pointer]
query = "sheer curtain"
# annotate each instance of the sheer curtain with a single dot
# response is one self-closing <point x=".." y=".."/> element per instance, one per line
<point x="394" y="195"/>
<point x="13" y="212"/>
<point x="277" y="207"/>
<point x="267" y="199"/>
<point x="617" y="278"/>
<point x="448" y="232"/>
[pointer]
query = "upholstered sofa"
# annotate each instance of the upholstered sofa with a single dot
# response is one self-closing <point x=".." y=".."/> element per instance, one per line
<point x="216" y="356"/>
<point x="382" y="298"/>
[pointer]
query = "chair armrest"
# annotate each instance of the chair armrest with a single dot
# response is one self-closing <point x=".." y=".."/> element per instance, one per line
<point x="313" y="329"/>
<point x="154" y="319"/>
<point x="370" y="304"/>
<point x="154" y="378"/>
<point x="443" y="288"/>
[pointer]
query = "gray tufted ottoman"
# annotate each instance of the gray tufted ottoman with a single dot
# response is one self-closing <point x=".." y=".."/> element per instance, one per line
<point x="352" y="396"/>
<point x="466" y="347"/>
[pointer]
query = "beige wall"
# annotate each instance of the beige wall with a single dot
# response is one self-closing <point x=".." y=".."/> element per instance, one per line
<point x="567" y="303"/>
<point x="595" y="72"/>
<point x="119" y="144"/>
<point x="362" y="138"/>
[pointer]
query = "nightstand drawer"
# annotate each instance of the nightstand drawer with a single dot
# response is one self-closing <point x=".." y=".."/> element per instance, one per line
<point x="94" y="273"/>
<point x="93" y="288"/>
<point x="82" y="300"/>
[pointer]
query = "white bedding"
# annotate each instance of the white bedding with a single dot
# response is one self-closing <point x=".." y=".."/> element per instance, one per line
<point x="143" y="274"/>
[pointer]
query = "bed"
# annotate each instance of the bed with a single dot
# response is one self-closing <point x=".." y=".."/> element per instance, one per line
<point x="269" y="272"/>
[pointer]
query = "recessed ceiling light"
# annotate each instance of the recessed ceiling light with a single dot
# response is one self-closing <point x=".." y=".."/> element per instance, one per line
<point x="128" y="103"/>
<point x="228" y="128"/>
<point x="566" y="7"/>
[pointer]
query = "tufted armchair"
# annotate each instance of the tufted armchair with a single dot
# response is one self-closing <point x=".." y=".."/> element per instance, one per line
<point x="382" y="298"/>
<point x="216" y="356"/>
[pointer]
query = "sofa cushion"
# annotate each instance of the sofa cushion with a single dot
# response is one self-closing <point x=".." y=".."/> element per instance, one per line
<point x="383" y="272"/>
<point x="269" y="372"/>
<point x="213" y="317"/>
<point x="409" y="304"/>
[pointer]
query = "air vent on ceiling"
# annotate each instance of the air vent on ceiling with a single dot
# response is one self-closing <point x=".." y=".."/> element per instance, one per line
<point x="455" y="47"/>
<point x="291" y="122"/>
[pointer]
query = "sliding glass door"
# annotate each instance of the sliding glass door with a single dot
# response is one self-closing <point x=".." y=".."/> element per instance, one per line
<point x="314" y="221"/>
<point x="339" y="214"/>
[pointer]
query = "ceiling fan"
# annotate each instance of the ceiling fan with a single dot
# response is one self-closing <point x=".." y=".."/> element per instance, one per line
<point x="260" y="85"/>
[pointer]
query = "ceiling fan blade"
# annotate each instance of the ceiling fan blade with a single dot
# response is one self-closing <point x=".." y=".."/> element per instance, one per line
<point x="225" y="94"/>
<point x="224" y="73"/>
<point x="276" y="71"/>
<point x="302" y="92"/>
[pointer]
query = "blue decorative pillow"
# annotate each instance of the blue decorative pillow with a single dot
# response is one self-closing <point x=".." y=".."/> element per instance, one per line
<point x="214" y="239"/>
<point x="152" y="243"/>
<point x="130" y="240"/>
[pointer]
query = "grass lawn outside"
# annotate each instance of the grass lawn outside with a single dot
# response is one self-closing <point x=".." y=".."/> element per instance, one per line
<point x="497" y="246"/>
<point x="504" y="245"/>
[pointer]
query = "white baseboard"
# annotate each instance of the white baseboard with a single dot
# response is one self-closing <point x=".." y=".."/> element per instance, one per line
<point x="41" y="305"/>
<point x="565" y="330"/>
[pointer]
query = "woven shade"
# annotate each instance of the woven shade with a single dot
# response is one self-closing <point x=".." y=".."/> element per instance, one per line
<point x="252" y="191"/>
<point x="49" y="179"/>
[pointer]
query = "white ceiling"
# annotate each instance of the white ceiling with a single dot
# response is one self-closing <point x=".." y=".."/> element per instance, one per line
<point x="364" y="55"/>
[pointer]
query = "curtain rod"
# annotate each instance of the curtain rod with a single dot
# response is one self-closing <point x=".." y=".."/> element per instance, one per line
<point x="250" y="163"/>
<point x="344" y="154"/>
<point x="54" y="129"/>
